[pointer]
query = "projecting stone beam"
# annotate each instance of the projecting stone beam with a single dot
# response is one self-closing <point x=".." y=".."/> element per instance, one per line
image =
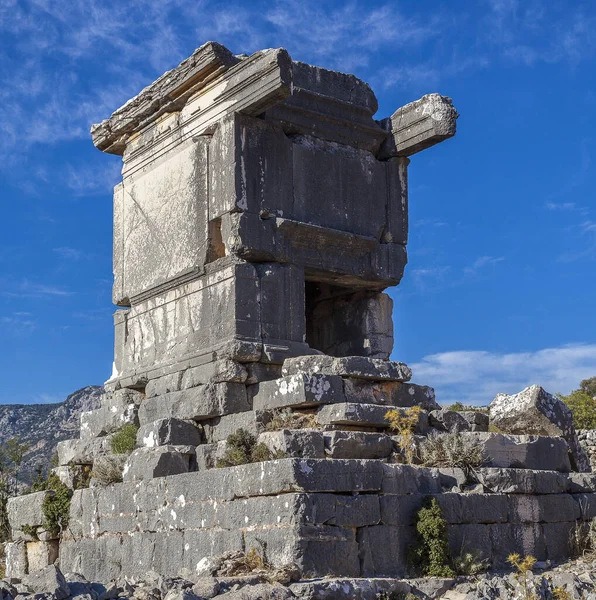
<point x="167" y="94"/>
<point x="418" y="125"/>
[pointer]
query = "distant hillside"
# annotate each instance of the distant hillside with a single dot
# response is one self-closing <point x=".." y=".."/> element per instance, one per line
<point x="42" y="426"/>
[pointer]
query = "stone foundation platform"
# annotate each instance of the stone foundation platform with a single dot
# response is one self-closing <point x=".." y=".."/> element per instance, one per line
<point x="339" y="518"/>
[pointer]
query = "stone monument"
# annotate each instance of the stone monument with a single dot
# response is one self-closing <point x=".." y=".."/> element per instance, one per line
<point x="261" y="215"/>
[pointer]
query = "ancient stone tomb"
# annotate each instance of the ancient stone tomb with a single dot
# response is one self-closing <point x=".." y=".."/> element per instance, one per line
<point x="261" y="215"/>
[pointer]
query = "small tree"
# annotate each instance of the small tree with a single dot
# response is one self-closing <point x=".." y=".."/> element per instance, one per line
<point x="583" y="407"/>
<point x="588" y="386"/>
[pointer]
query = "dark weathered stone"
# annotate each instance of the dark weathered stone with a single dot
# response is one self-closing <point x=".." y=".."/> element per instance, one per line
<point x="166" y="432"/>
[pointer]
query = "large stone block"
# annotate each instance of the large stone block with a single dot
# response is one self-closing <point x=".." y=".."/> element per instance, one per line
<point x="357" y="444"/>
<point x="365" y="415"/>
<point x="16" y="559"/>
<point x="547" y="508"/>
<point x="524" y="451"/>
<point x="208" y="455"/>
<point x="164" y="432"/>
<point x="359" y="367"/>
<point x="197" y="403"/>
<point x="41" y="554"/>
<point x="296" y="443"/>
<point x="300" y="390"/>
<point x="147" y="463"/>
<point x="407" y="479"/>
<point x="48" y="580"/>
<point x="82" y="452"/>
<point x="535" y="411"/>
<point x="219" y="428"/>
<point x="26" y="511"/>
<point x="373" y="543"/>
<point x="456" y="421"/>
<point x="118" y="408"/>
<point x="522" y="481"/>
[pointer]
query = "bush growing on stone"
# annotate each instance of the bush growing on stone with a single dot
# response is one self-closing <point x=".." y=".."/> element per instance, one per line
<point x="459" y="407"/>
<point x="108" y="469"/>
<point x="124" y="440"/>
<point x="583" y="408"/>
<point x="30" y="530"/>
<point x="242" y="448"/>
<point x="430" y="555"/>
<point x="286" y="418"/>
<point x="404" y="423"/>
<point x="56" y="506"/>
<point x="452" y="450"/>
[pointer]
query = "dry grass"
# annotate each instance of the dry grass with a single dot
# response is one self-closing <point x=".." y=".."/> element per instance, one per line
<point x="452" y="450"/>
<point x="286" y="418"/>
<point x="583" y="538"/>
<point x="108" y="469"/>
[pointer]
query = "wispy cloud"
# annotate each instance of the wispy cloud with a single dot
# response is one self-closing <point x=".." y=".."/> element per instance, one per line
<point x="29" y="289"/>
<point x="20" y="324"/>
<point x="481" y="263"/>
<point x="475" y="377"/>
<point x="68" y="253"/>
<point x="560" y="206"/>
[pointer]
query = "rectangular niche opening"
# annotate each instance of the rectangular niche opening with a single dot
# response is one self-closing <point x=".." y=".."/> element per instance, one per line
<point x="334" y="319"/>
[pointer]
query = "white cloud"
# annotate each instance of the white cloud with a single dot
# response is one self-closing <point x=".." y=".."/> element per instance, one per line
<point x="482" y="262"/>
<point x="29" y="289"/>
<point x="560" y="206"/>
<point x="475" y="377"/>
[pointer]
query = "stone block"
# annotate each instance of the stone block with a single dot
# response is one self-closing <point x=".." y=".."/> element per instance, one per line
<point x="359" y="367"/>
<point x="374" y="542"/>
<point x="219" y="371"/>
<point x="470" y="537"/>
<point x="557" y="537"/>
<point x="219" y="428"/>
<point x="16" y="559"/>
<point x="547" y="508"/>
<point x="366" y="415"/>
<point x="168" y="432"/>
<point x="408" y="479"/>
<point x="26" y="511"/>
<point x="164" y="384"/>
<point x="410" y="394"/>
<point x="258" y="372"/>
<point x="317" y="550"/>
<point x="524" y="451"/>
<point x="198" y="403"/>
<point x="299" y="390"/>
<point x="147" y="463"/>
<point x="523" y="538"/>
<point x="474" y="508"/>
<point x="41" y="554"/>
<point x="259" y="591"/>
<point x="419" y="125"/>
<point x="357" y="444"/>
<point x="209" y="454"/>
<point x="535" y="411"/>
<point x="456" y="421"/>
<point x="118" y="408"/>
<point x="48" y="580"/>
<point x="587" y="505"/>
<point x="82" y="452"/>
<point x="295" y="443"/>
<point x="522" y="481"/>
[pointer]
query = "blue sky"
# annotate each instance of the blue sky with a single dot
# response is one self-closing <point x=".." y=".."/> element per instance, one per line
<point x="500" y="287"/>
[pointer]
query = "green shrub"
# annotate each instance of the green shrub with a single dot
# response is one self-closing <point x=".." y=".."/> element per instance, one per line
<point x="430" y="555"/>
<point x="242" y="448"/>
<point x="56" y="506"/>
<point x="470" y="563"/>
<point x="124" y="440"/>
<point x="583" y="407"/>
<point x="30" y="530"/>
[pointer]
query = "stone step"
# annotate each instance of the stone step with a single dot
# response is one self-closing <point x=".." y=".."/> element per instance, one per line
<point x="164" y="432"/>
<point x="366" y="415"/>
<point x="148" y="463"/>
<point x="359" y="367"/>
<point x="357" y="444"/>
<point x="295" y="443"/>
<point x="301" y="390"/>
<point x="197" y="403"/>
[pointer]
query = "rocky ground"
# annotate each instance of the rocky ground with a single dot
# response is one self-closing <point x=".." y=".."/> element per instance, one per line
<point x="42" y="426"/>
<point x="236" y="577"/>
